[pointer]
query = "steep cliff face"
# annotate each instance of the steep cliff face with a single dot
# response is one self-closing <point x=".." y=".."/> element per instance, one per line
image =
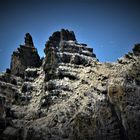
<point x="71" y="96"/>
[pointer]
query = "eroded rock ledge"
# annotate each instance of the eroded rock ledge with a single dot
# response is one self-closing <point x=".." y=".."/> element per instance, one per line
<point x="69" y="95"/>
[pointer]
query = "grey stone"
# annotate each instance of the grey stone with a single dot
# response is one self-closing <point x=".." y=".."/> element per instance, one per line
<point x="26" y="56"/>
<point x="71" y="96"/>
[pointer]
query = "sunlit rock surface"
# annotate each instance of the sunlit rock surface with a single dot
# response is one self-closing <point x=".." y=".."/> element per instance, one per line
<point x="71" y="96"/>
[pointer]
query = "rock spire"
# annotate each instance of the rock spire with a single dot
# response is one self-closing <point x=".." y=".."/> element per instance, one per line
<point x="28" y="40"/>
<point x="25" y="56"/>
<point x="71" y="96"/>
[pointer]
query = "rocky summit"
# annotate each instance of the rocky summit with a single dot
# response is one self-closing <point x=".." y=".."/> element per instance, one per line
<point x="24" y="57"/>
<point x="69" y="94"/>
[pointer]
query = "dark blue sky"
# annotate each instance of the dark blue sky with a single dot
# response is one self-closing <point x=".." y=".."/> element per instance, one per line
<point x="111" y="27"/>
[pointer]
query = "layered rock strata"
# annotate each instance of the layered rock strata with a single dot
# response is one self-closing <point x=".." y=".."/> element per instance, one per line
<point x="62" y="48"/>
<point x="72" y="96"/>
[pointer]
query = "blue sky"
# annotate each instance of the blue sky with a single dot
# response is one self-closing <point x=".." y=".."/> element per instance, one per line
<point x="110" y="27"/>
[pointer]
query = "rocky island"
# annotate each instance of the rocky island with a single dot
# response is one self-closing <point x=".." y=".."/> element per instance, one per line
<point x="69" y="94"/>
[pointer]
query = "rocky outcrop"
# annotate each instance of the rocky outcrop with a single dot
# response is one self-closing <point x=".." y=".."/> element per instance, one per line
<point x="62" y="47"/>
<point x="63" y="35"/>
<point x="136" y="49"/>
<point x="72" y="96"/>
<point x="25" y="56"/>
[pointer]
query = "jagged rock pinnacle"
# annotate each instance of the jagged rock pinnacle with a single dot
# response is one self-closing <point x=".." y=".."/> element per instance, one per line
<point x="67" y="35"/>
<point x="28" y="40"/>
<point x="62" y="47"/>
<point x="71" y="96"/>
<point x="136" y="49"/>
<point x="63" y="35"/>
<point x="25" y="56"/>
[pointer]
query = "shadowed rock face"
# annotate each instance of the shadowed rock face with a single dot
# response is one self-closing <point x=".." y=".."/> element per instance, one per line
<point x="71" y="96"/>
<point x="63" y="35"/>
<point x="25" y="56"/>
<point x="28" y="40"/>
<point x="136" y="49"/>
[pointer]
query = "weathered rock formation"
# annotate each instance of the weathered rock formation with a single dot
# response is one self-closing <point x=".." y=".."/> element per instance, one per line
<point x="71" y="96"/>
<point x="62" y="47"/>
<point x="25" y="56"/>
